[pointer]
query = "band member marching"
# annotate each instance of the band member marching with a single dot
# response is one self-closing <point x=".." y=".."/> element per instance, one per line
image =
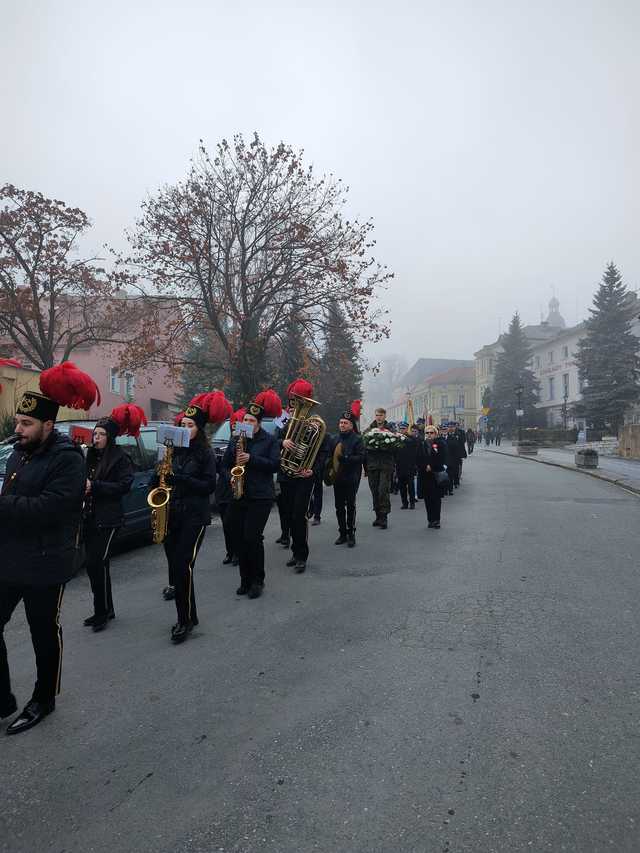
<point x="296" y="488"/>
<point x="192" y="480"/>
<point x="224" y="499"/>
<point x="345" y="473"/>
<point x="252" y="462"/>
<point x="109" y="479"/>
<point x="40" y="510"/>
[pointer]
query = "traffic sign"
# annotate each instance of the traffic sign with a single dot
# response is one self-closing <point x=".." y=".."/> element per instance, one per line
<point x="519" y="413"/>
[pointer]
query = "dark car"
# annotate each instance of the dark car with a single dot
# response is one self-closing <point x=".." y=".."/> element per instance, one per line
<point x="143" y="452"/>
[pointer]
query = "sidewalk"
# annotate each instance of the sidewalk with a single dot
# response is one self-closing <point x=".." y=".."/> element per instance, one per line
<point x="621" y="472"/>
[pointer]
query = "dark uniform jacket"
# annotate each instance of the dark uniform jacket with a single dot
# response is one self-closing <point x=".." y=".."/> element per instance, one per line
<point x="103" y="505"/>
<point x="462" y="440"/>
<point x="406" y="456"/>
<point x="192" y="481"/>
<point x="264" y="452"/>
<point x="351" y="459"/>
<point x="40" y="510"/>
<point x="432" y="453"/>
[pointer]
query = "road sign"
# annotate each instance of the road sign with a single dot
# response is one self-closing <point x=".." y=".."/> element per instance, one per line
<point x="519" y="413"/>
<point x="485" y="410"/>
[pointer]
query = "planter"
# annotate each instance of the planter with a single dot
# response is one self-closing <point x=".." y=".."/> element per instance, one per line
<point x="587" y="458"/>
<point x="525" y="448"/>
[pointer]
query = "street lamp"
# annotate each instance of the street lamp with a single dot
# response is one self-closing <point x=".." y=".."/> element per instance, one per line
<point x="519" y="412"/>
<point x="565" y="397"/>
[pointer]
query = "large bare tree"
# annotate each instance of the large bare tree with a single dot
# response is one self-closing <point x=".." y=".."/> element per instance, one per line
<point x="52" y="301"/>
<point x="250" y="240"/>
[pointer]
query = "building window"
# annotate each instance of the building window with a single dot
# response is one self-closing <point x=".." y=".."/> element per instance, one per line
<point x="552" y="390"/>
<point x="538" y="361"/>
<point x="490" y="365"/>
<point x="550" y="356"/>
<point x="565" y="384"/>
<point x="565" y="352"/>
<point x="129" y="385"/>
<point x="115" y="380"/>
<point x="461" y="400"/>
<point x="444" y="401"/>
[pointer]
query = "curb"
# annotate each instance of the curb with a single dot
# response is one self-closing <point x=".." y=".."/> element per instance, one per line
<point x="606" y="478"/>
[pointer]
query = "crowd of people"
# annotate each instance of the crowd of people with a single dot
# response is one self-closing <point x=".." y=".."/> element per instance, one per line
<point x="55" y="495"/>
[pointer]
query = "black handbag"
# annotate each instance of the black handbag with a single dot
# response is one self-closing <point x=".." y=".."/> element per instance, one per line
<point x="442" y="479"/>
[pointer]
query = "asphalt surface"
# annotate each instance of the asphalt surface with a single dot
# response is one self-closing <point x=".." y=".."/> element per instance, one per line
<point x="471" y="689"/>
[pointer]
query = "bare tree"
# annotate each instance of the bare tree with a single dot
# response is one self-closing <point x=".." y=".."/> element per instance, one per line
<point x="249" y="240"/>
<point x="50" y="301"/>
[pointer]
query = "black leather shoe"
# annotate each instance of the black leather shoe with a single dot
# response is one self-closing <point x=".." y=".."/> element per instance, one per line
<point x="412" y="506"/>
<point x="235" y="562"/>
<point x="90" y="621"/>
<point x="290" y="563"/>
<point x="169" y="593"/>
<point x="8" y="707"/>
<point x="430" y="524"/>
<point x="280" y="539"/>
<point x="32" y="714"/>
<point x="301" y="567"/>
<point x="180" y="632"/>
<point x="315" y="522"/>
<point x="242" y="590"/>
<point x="404" y="506"/>
<point x="255" y="591"/>
<point x="227" y="560"/>
<point x="341" y="540"/>
<point x="100" y="623"/>
<point x="382" y="524"/>
<point x="285" y="543"/>
<point x="436" y="525"/>
<point x="351" y="540"/>
<point x="376" y="523"/>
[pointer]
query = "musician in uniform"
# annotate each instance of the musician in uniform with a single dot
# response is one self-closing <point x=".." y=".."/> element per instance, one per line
<point x="40" y="509"/>
<point x="406" y="456"/>
<point x="109" y="479"/>
<point x="192" y="481"/>
<point x="346" y="470"/>
<point x="249" y="513"/>
<point x="295" y="491"/>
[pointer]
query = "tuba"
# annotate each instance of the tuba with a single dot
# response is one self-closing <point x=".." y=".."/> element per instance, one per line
<point x="307" y="433"/>
<point x="158" y="498"/>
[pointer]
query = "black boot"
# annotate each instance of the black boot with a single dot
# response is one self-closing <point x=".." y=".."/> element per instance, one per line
<point x="342" y="539"/>
<point x="242" y="589"/>
<point x="180" y="632"/>
<point x="301" y="567"/>
<point x="169" y="593"/>
<point x="255" y="590"/>
<point x="228" y="560"/>
<point x="291" y="563"/>
<point x="383" y="522"/>
<point x="351" y="539"/>
<point x="376" y="523"/>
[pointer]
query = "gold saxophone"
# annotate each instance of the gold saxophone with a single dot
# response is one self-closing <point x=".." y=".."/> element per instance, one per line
<point x="307" y="433"/>
<point x="237" y="472"/>
<point x="158" y="498"/>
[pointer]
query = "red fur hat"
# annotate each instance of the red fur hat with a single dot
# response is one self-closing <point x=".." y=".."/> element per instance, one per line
<point x="270" y="403"/>
<point x="212" y="407"/>
<point x="69" y="386"/>
<point x="356" y="408"/>
<point x="178" y="418"/>
<point x="300" y="388"/>
<point x="238" y="415"/>
<point x="129" y="418"/>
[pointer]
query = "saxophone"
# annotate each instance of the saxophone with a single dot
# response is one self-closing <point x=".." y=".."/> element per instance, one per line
<point x="237" y="472"/>
<point x="158" y="498"/>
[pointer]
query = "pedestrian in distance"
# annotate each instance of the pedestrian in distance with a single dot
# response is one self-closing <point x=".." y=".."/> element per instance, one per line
<point x="109" y="479"/>
<point x="471" y="440"/>
<point x="249" y="511"/>
<point x="431" y="466"/>
<point x="40" y="511"/>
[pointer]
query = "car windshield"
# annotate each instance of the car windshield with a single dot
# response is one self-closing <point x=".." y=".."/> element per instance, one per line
<point x="5" y="453"/>
<point x="223" y="432"/>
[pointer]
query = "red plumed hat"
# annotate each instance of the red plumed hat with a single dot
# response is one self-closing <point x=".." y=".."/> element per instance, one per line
<point x="270" y="403"/>
<point x="238" y="415"/>
<point x="300" y="388"/>
<point x="356" y="408"/>
<point x="10" y="362"/>
<point x="66" y="385"/>
<point x="178" y="418"/>
<point x="129" y="419"/>
<point x="211" y="406"/>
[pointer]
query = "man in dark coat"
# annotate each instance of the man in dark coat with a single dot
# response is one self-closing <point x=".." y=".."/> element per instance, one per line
<point x="40" y="510"/>
<point x="406" y="467"/>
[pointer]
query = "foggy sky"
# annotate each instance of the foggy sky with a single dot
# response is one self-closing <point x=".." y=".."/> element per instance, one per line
<point x="495" y="144"/>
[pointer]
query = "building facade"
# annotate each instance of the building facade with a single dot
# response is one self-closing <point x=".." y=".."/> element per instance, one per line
<point x="449" y="395"/>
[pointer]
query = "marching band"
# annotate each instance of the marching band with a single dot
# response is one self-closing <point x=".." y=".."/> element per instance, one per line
<point x="53" y="495"/>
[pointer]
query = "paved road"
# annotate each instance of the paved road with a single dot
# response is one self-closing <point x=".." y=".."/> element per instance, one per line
<point x="466" y="690"/>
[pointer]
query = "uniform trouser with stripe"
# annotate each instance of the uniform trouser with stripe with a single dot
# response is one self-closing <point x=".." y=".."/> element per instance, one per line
<point x="247" y="518"/>
<point x="296" y="494"/>
<point x="97" y="542"/>
<point x="181" y="546"/>
<point x="42" y="607"/>
<point x="345" y="498"/>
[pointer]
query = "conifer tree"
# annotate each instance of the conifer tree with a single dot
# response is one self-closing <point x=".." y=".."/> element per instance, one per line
<point x="513" y="370"/>
<point x="340" y="372"/>
<point x="607" y="356"/>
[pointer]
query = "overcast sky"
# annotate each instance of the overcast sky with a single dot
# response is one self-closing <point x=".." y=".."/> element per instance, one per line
<point x="494" y="144"/>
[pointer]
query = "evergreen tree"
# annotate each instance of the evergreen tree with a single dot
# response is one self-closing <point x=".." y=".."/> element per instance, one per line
<point x="513" y="370"/>
<point x="289" y="357"/>
<point x="340" y="372"/>
<point x="202" y="370"/>
<point x="607" y="356"/>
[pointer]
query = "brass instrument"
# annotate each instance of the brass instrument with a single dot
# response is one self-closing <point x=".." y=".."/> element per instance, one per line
<point x="237" y="472"/>
<point x="158" y="498"/>
<point x="307" y="433"/>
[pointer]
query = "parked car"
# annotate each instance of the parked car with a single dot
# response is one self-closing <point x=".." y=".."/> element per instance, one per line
<point x="142" y="451"/>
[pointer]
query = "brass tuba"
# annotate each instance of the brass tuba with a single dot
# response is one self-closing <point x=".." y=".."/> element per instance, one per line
<point x="307" y="433"/>
<point x="158" y="498"/>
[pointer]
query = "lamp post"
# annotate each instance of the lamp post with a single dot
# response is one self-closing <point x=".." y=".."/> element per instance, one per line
<point x="519" y="391"/>
<point x="565" y="397"/>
